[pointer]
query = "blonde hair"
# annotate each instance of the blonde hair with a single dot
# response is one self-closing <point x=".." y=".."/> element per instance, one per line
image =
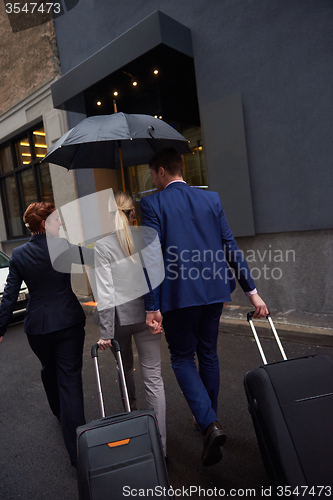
<point x="124" y="207"/>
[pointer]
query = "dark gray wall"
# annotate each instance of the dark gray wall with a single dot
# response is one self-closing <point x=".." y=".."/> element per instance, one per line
<point x="278" y="55"/>
<point x="222" y="125"/>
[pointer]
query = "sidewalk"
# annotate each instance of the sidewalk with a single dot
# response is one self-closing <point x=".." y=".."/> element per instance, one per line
<point x="296" y="326"/>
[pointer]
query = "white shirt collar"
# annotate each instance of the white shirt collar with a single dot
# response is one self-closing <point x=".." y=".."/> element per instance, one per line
<point x="177" y="180"/>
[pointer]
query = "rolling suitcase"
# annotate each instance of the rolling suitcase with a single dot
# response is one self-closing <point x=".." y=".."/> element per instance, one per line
<point x="121" y="455"/>
<point x="291" y="404"/>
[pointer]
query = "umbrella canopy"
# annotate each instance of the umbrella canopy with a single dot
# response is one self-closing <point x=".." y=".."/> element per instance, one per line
<point x="113" y="141"/>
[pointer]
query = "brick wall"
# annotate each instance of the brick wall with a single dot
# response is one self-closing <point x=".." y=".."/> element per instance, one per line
<point x="28" y="60"/>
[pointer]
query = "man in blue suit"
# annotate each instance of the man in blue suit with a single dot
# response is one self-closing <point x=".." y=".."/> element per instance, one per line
<point x="197" y="246"/>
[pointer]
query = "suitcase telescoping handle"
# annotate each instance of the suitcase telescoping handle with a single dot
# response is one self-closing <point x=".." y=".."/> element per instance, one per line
<point x="277" y="338"/>
<point x="94" y="355"/>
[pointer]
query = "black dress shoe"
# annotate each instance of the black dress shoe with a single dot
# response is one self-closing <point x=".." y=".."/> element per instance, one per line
<point x="214" y="438"/>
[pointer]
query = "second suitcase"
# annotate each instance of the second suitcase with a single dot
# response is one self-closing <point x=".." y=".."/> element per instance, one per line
<point x="121" y="454"/>
<point x="291" y="404"/>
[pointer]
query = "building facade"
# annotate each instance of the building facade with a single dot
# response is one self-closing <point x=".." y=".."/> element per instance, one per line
<point x="249" y="83"/>
<point x="252" y="81"/>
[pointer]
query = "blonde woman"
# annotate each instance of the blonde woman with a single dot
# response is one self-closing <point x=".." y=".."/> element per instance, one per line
<point x="120" y="284"/>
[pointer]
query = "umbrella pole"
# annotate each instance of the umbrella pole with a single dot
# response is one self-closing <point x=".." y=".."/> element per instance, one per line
<point x="121" y="166"/>
<point x="120" y="154"/>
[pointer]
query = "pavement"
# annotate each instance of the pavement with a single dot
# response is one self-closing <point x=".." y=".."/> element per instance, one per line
<point x="34" y="463"/>
<point x="300" y="326"/>
<point x="304" y="327"/>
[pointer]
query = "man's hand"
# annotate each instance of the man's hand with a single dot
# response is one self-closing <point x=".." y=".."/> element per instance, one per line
<point x="154" y="321"/>
<point x="261" y="310"/>
<point x="104" y="344"/>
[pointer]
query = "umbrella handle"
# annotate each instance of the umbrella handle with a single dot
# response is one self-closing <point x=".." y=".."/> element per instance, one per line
<point x="150" y="128"/>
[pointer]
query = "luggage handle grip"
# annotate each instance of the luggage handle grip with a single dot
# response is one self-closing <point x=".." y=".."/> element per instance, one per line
<point x="277" y="338"/>
<point x="250" y="314"/>
<point x="95" y="348"/>
<point x="124" y="391"/>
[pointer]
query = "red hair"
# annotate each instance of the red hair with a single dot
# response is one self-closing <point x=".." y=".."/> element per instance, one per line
<point x="36" y="213"/>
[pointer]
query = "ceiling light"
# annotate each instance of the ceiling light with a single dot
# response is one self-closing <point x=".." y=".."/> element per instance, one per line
<point x="98" y="103"/>
<point x="25" y="154"/>
<point x="134" y="84"/>
<point x="39" y="133"/>
<point x="41" y="146"/>
<point x="115" y="93"/>
<point x="24" y="144"/>
<point x="155" y="71"/>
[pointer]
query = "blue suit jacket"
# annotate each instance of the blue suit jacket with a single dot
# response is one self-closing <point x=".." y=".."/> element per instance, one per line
<point x="52" y="304"/>
<point x="197" y="246"/>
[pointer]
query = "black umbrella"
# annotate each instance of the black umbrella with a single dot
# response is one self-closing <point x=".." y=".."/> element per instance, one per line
<point x="115" y="141"/>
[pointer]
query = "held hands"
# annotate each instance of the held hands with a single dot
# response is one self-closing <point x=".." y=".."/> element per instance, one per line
<point x="154" y="321"/>
<point x="104" y="344"/>
<point x="261" y="310"/>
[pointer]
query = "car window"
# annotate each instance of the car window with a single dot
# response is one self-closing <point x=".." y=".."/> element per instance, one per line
<point x="4" y="261"/>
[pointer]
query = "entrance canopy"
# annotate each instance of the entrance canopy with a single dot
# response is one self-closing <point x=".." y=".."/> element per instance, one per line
<point x="153" y="31"/>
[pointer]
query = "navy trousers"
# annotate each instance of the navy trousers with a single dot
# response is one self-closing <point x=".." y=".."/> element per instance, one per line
<point x="60" y="354"/>
<point x="190" y="331"/>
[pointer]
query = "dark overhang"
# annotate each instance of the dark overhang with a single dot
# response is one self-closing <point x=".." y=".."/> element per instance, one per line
<point x="156" y="29"/>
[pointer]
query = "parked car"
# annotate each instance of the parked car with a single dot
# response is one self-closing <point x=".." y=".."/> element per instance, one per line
<point x="22" y="299"/>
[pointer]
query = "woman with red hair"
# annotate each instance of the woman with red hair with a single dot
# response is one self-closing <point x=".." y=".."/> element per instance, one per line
<point x="54" y="320"/>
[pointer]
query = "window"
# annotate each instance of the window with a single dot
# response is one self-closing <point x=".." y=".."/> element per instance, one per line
<point x="23" y="180"/>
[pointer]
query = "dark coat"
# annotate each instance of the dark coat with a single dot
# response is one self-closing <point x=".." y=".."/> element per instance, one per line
<point x="52" y="304"/>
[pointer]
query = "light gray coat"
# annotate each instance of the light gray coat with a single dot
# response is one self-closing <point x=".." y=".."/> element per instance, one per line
<point x="120" y="284"/>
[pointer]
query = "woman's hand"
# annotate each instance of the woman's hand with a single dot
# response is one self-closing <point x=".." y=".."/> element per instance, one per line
<point x="154" y="321"/>
<point x="1" y="339"/>
<point x="104" y="344"/>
